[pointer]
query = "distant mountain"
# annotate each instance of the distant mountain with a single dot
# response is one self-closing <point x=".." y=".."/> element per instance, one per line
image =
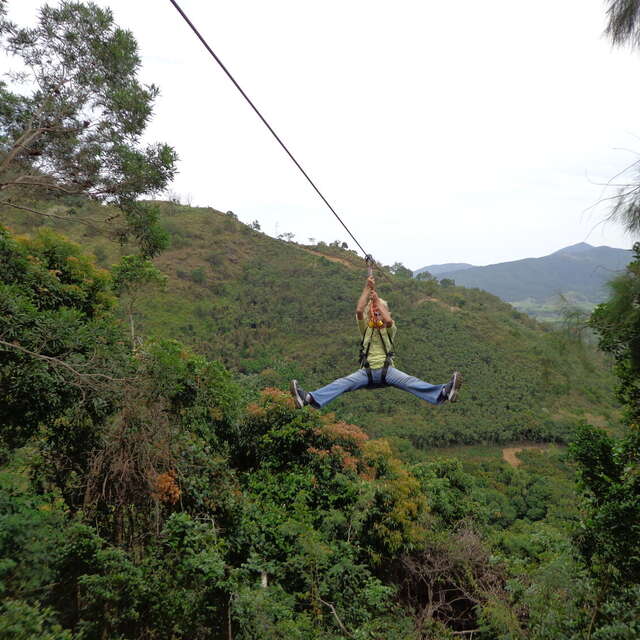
<point x="580" y="270"/>
<point x="449" y="267"/>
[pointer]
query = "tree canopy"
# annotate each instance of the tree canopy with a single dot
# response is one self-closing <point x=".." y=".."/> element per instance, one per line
<point x="72" y="116"/>
<point x="57" y="337"/>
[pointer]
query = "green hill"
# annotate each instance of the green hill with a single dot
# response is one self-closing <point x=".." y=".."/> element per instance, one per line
<point x="272" y="310"/>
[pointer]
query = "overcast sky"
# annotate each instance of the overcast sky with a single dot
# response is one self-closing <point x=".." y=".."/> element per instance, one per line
<point x="442" y="132"/>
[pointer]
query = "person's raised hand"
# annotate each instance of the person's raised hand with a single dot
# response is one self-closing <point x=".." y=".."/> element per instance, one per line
<point x="371" y="283"/>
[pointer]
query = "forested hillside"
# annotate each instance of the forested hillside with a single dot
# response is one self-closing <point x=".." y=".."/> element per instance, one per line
<point x="272" y="310"/>
<point x="148" y="492"/>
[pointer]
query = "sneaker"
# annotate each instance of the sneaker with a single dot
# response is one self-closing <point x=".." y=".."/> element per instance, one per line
<point x="300" y="396"/>
<point x="450" y="391"/>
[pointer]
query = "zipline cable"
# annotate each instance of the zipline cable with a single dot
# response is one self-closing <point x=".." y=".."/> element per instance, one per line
<point x="266" y="124"/>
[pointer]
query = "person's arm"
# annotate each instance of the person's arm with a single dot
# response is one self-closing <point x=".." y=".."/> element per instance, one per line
<point x="364" y="297"/>
<point x="384" y="311"/>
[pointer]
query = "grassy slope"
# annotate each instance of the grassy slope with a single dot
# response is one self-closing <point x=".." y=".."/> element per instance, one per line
<point x="272" y="310"/>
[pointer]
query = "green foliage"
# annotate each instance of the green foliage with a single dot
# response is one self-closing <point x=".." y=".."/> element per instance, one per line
<point x="164" y="444"/>
<point x="52" y="272"/>
<point x="134" y="277"/>
<point x="75" y="129"/>
<point x="425" y="276"/>
<point x="53" y="323"/>
<point x="448" y="489"/>
<point x="609" y="536"/>
<point x="608" y="469"/>
<point x="21" y="621"/>
<point x="400" y="271"/>
<point x="135" y="273"/>
<point x="30" y="532"/>
<point x="319" y="505"/>
<point x="198" y="276"/>
<point x="617" y="323"/>
<point x="269" y="614"/>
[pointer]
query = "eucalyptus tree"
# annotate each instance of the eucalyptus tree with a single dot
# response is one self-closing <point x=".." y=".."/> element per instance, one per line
<point x="72" y="114"/>
<point x="133" y="277"/>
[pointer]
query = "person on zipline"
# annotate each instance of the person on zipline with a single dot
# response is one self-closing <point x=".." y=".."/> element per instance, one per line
<point x="378" y="332"/>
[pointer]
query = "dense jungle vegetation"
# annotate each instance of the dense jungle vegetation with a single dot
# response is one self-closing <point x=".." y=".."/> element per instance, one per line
<point x="156" y="480"/>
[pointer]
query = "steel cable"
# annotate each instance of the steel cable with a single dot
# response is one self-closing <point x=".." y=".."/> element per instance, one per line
<point x="275" y="135"/>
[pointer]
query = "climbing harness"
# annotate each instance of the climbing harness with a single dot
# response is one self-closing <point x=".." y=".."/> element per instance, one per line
<point x="365" y="345"/>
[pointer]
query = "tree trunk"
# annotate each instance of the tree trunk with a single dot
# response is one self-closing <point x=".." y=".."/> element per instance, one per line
<point x="133" y="331"/>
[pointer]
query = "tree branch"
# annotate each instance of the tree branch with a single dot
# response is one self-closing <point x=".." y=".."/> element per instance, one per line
<point x="29" y="136"/>
<point x="90" y="379"/>
<point x="88" y="221"/>
<point x="23" y="181"/>
<point x="22" y="142"/>
<point x="335" y="615"/>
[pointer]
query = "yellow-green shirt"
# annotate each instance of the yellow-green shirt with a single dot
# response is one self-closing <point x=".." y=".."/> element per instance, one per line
<point x="377" y="353"/>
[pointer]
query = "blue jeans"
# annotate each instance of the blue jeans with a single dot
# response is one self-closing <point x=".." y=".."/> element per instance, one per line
<point x="395" y="378"/>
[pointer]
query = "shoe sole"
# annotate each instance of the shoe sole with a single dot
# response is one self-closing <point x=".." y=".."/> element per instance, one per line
<point x="457" y="383"/>
<point x="293" y="388"/>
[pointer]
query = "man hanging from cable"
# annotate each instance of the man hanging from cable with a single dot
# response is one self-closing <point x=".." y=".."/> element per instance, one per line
<point x="378" y="332"/>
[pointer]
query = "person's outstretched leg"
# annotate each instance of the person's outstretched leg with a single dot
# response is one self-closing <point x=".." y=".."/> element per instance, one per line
<point x="320" y="397"/>
<point x="433" y="393"/>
